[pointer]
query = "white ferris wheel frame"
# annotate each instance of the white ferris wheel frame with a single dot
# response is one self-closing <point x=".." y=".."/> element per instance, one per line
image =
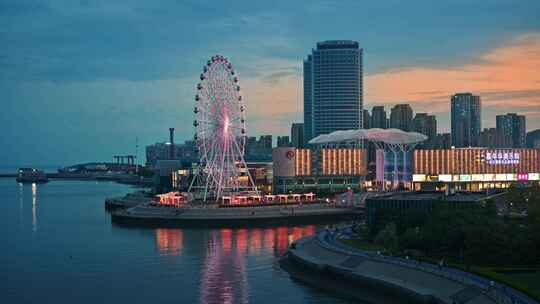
<point x="220" y="128"/>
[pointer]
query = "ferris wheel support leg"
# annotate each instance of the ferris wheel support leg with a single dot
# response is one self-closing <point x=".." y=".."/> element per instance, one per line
<point x="247" y="169"/>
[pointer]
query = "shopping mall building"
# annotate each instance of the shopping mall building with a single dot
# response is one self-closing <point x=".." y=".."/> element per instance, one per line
<point x="461" y="169"/>
<point x="473" y="169"/>
<point x="318" y="170"/>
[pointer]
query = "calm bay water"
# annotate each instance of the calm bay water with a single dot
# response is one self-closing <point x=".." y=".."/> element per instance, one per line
<point x="58" y="245"/>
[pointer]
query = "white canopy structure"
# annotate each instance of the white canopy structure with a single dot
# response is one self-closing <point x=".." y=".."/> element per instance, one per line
<point x="394" y="140"/>
<point x="387" y="136"/>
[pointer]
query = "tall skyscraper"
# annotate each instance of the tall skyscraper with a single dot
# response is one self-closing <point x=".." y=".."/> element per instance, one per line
<point x="427" y="125"/>
<point x="308" y="100"/>
<point x="512" y="129"/>
<point x="465" y="119"/>
<point x="333" y="88"/>
<point x="401" y="117"/>
<point x="379" y="118"/>
<point x="297" y="135"/>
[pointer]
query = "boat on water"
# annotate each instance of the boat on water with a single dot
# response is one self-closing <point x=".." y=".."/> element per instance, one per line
<point x="31" y="175"/>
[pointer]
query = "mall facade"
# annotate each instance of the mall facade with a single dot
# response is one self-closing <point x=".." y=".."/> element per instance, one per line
<point x="474" y="169"/>
<point x="320" y="170"/>
<point x="459" y="169"/>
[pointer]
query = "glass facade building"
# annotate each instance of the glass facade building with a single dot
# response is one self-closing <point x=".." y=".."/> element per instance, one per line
<point x="465" y="120"/>
<point x="333" y="88"/>
<point x="401" y="116"/>
<point x="511" y="128"/>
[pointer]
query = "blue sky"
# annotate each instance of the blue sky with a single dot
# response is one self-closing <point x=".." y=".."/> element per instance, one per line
<point x="80" y="80"/>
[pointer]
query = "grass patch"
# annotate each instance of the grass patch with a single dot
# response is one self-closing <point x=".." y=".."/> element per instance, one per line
<point x="362" y="244"/>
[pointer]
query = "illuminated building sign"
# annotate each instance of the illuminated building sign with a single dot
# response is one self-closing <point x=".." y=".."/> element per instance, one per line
<point x="500" y="177"/>
<point x="477" y="177"/>
<point x="419" y="178"/>
<point x="445" y="178"/>
<point x="523" y="176"/>
<point x="432" y="178"/>
<point x="489" y="177"/>
<point x="464" y="178"/>
<point x="502" y="158"/>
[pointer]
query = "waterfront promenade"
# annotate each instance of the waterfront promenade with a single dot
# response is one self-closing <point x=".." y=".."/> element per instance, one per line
<point x="424" y="282"/>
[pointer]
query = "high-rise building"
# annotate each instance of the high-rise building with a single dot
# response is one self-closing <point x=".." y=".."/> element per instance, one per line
<point x="265" y="141"/>
<point x="258" y="150"/>
<point x="491" y="138"/>
<point x="333" y="94"/>
<point x="366" y="119"/>
<point x="308" y="100"/>
<point x="297" y="135"/>
<point x="533" y="139"/>
<point x="186" y="152"/>
<point x="379" y="118"/>
<point x="442" y="141"/>
<point x="401" y="117"/>
<point x="512" y="129"/>
<point x="283" y="141"/>
<point x="427" y="125"/>
<point x="465" y="119"/>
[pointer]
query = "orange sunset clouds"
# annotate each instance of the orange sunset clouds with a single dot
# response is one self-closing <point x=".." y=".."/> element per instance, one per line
<point x="507" y="78"/>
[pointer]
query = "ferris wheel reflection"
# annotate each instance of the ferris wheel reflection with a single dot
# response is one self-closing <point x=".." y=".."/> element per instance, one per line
<point x="223" y="275"/>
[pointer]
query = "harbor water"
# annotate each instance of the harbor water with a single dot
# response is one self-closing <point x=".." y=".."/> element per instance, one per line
<point x="58" y="245"/>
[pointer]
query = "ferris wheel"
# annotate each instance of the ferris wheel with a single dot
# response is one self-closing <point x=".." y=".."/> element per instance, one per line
<point x="220" y="132"/>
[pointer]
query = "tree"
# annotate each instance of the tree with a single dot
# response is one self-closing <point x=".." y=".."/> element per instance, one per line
<point x="388" y="237"/>
<point x="410" y="239"/>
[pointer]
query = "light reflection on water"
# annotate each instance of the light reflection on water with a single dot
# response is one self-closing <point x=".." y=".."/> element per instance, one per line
<point x="223" y="276"/>
<point x="34" y="207"/>
<point x="21" y="203"/>
<point x="169" y="241"/>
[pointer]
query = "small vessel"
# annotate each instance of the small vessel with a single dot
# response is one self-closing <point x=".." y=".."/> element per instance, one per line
<point x="31" y="175"/>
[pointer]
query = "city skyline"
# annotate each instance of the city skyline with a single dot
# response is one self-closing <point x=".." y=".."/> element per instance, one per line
<point x="93" y="94"/>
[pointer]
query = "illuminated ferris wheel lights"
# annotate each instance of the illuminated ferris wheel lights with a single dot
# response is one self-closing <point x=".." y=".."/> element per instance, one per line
<point x="220" y="131"/>
<point x="226" y="126"/>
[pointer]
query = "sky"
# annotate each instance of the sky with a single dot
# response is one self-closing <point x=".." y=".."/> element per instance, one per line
<point x="84" y="80"/>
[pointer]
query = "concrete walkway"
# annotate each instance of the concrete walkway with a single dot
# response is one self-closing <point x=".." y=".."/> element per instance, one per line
<point x="321" y="254"/>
